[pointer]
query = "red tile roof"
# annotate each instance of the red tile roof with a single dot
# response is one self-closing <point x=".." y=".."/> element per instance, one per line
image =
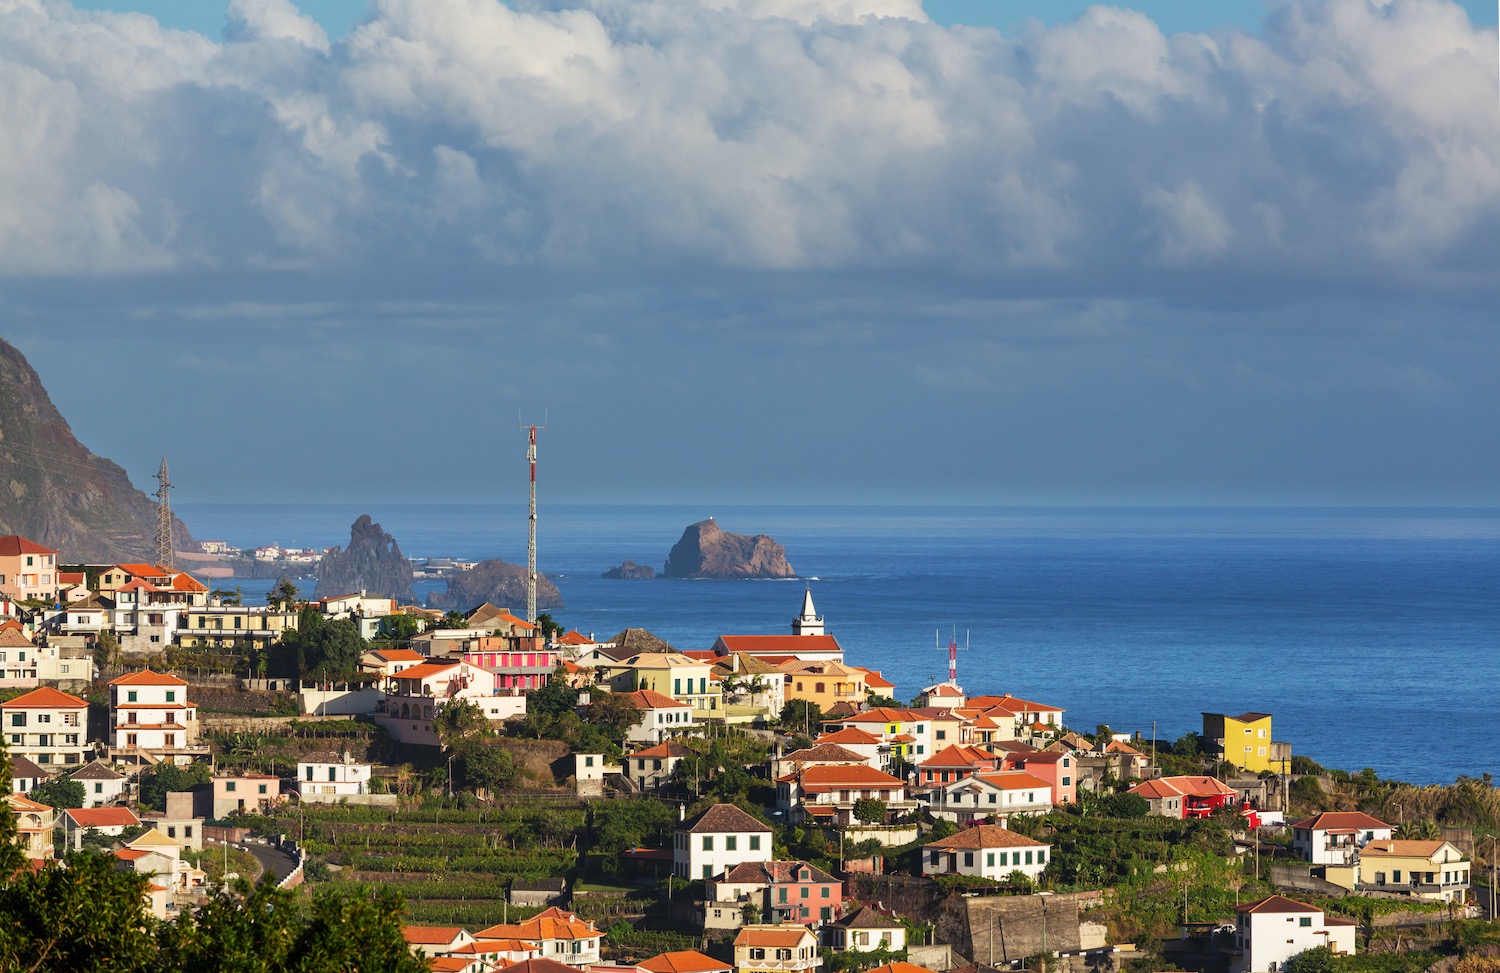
<point x="45" y="698"/>
<point x="1182" y="787"/>
<point x="1342" y="821"/>
<point x="831" y="777"/>
<point x="549" y="924"/>
<point x="148" y="678"/>
<point x="849" y="736"/>
<point x="666" y="750"/>
<point x="962" y="755"/>
<point x="686" y="961"/>
<point x="723" y="819"/>
<point x="651" y="699"/>
<point x="574" y="638"/>
<point x="103" y="817"/>
<point x="984" y="836"/>
<point x="778" y="936"/>
<point x="1278" y="903"/>
<point x="431" y="935"/>
<point x="425" y="671"/>
<point x="779" y="644"/>
<point x="14" y="544"/>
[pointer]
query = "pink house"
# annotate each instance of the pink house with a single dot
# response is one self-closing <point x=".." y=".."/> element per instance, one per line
<point x="1059" y="770"/>
<point x="516" y="670"/>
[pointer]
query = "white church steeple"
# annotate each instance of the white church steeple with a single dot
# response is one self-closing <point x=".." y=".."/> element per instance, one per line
<point x="809" y="622"/>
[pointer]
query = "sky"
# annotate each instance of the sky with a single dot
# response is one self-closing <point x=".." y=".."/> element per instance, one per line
<point x="781" y="251"/>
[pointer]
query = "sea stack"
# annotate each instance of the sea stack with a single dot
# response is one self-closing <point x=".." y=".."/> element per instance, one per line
<point x="497" y="582"/>
<point x="706" y="551"/>
<point x="372" y="563"/>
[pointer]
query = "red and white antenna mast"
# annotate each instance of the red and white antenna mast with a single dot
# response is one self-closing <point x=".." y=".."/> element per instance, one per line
<point x="531" y="431"/>
<point x="952" y="652"/>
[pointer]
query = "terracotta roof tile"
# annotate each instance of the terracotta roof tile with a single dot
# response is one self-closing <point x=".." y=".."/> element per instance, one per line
<point x="723" y="819"/>
<point x="45" y="698"/>
<point x="984" y="836"/>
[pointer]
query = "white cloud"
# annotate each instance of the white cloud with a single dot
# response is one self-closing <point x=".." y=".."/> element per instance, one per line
<point x="1356" y="140"/>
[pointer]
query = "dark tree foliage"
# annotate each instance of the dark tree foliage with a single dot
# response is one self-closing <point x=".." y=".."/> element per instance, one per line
<point x="61" y="793"/>
<point x="156" y="782"/>
<point x="1125" y="806"/>
<point x="802" y="716"/>
<point x="614" y="713"/>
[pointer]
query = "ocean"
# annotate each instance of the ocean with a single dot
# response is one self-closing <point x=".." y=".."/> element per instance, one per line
<point x="1370" y="635"/>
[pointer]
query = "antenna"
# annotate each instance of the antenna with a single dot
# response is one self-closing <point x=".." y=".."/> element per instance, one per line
<point x="531" y="431"/>
<point x="952" y="652"/>
<point x="164" y="544"/>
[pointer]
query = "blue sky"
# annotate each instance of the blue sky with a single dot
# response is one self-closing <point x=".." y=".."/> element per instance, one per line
<point x="338" y="16"/>
<point x="764" y="250"/>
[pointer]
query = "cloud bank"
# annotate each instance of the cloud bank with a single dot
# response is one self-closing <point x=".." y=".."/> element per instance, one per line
<point x="1354" y="144"/>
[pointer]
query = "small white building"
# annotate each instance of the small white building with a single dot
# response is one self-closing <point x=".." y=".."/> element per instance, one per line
<point x="327" y="776"/>
<point x="653" y="767"/>
<point x="718" y="838"/>
<point x="865" y="930"/>
<point x="788" y="948"/>
<point x="413" y="696"/>
<point x="986" y="851"/>
<point x="995" y="795"/>
<point x="1274" y="929"/>
<point x="102" y="784"/>
<point x="1335" y="837"/>
<point x="106" y="820"/>
<point x="661" y="717"/>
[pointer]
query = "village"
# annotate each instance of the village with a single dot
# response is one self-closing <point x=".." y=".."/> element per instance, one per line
<point x="547" y="801"/>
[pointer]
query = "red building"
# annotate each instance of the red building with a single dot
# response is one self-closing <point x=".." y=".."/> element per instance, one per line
<point x="791" y="891"/>
<point x="1185" y="797"/>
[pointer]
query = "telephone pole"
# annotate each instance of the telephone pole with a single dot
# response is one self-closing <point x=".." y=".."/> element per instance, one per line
<point x="531" y="431"/>
<point x="164" y="544"/>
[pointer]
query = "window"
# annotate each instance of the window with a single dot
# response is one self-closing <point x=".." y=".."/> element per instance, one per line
<point x="783" y="954"/>
<point x="1003" y="856"/>
<point x="755" y="842"/>
<point x="309" y="773"/>
<point x="171" y="696"/>
<point x="187" y="831"/>
<point x="825" y="913"/>
<point x="757" y="953"/>
<point x="262" y="788"/>
<point x="1028" y="858"/>
<point x="708" y="842"/>
<point x="804" y="892"/>
<point x="818" y="687"/>
<point x="1067" y="781"/>
<point x="1304" y="922"/>
<point x="989" y="860"/>
<point x="98" y="788"/>
<point x="588" y="761"/>
<point x="229" y="786"/>
<point x="130" y="696"/>
<point x="968" y="859"/>
<point x="18" y="719"/>
<point x="823" y="893"/>
<point x="731" y="842"/>
<point x="781" y="894"/>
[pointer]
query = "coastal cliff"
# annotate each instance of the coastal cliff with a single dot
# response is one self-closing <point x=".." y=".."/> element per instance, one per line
<point x="54" y="491"/>
<point x="372" y="563"/>
<point x="706" y="551"/>
<point x="497" y="582"/>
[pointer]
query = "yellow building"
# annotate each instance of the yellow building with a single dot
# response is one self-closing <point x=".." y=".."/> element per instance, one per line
<point x="825" y="683"/>
<point x="671" y="674"/>
<point x="1243" y="740"/>
<point x="226" y="625"/>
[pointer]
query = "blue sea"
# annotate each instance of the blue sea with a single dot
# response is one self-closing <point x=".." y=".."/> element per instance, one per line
<point x="1369" y="634"/>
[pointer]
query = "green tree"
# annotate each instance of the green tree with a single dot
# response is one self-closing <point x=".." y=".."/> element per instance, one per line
<point x="802" y="715"/>
<point x="159" y="780"/>
<point x="452" y="618"/>
<point x="548" y="625"/>
<point x="614" y="713"/>
<point x="460" y="721"/>
<point x="400" y="628"/>
<point x="337" y="649"/>
<point x="1319" y="959"/>
<point x="870" y="810"/>
<point x="554" y="698"/>
<point x="106" y="651"/>
<point x="1125" y="806"/>
<point x="60" y="793"/>
<point x="85" y="917"/>
<point x="282" y="597"/>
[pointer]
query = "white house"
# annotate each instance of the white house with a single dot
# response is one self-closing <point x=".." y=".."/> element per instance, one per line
<point x="661" y="717"/>
<point x="102" y="784"/>
<point x="652" y="767"/>
<point x="720" y="837"/>
<point x="563" y="937"/>
<point x="327" y="776"/>
<point x="413" y="697"/>
<point x="866" y="929"/>
<point x="106" y="820"/>
<point x="1274" y="929"/>
<point x="986" y="851"/>
<point x="150" y="711"/>
<point x="48" y="727"/>
<point x="995" y="795"/>
<point x="1335" y="837"/>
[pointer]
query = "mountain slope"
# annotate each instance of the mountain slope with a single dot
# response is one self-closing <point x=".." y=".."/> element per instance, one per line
<point x="56" y="492"/>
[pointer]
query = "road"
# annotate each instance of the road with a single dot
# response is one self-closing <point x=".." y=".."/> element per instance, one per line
<point x="271" y="858"/>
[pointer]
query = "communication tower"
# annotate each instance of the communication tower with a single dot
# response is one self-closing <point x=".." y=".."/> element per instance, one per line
<point x="952" y="652"/>
<point x="531" y="432"/>
<point x="164" y="545"/>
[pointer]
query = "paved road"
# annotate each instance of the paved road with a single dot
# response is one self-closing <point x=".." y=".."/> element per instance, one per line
<point x="271" y="858"/>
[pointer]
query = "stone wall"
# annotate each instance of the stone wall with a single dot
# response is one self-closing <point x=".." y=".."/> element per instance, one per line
<point x="1003" y="928"/>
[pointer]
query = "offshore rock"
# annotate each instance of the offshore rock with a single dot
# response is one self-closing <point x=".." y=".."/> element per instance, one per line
<point x="372" y="563"/>
<point x="55" y="492"/>
<point x="497" y="582"/>
<point x="705" y="551"/>
<point x="630" y="571"/>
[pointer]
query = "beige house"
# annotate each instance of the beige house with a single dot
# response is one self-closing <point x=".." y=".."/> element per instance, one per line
<point x="225" y="625"/>
<point x="671" y="674"/>
<point x="786" y="948"/>
<point x="1434" y="870"/>
<point x="824" y="682"/>
<point x="34" y="823"/>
